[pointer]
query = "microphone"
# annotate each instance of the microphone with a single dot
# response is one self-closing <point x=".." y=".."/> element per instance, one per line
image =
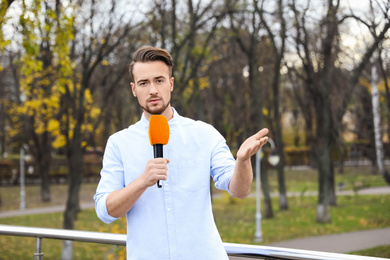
<point x="158" y="136"/>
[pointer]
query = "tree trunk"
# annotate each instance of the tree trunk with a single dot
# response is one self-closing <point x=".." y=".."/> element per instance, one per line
<point x="268" y="211"/>
<point x="44" y="162"/>
<point x="332" y="187"/>
<point x="323" y="208"/>
<point x="75" y="175"/>
<point x="384" y="76"/>
<point x="44" y="169"/>
<point x="2" y="130"/>
<point x="279" y="141"/>
<point x="74" y="182"/>
<point x="377" y="125"/>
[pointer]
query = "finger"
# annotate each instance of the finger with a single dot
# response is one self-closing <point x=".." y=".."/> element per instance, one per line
<point x="260" y="143"/>
<point x="261" y="133"/>
<point x="161" y="161"/>
<point x="264" y="140"/>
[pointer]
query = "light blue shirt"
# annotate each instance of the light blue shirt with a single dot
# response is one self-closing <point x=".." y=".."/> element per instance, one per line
<point x="175" y="221"/>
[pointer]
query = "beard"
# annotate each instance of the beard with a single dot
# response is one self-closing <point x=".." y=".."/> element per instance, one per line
<point x="155" y="110"/>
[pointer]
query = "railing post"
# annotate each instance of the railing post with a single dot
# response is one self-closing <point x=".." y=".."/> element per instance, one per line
<point x="38" y="255"/>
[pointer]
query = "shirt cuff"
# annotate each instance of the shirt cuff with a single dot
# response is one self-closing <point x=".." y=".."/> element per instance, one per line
<point x="101" y="209"/>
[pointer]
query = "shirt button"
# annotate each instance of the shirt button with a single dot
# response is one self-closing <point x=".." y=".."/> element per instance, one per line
<point x="169" y="209"/>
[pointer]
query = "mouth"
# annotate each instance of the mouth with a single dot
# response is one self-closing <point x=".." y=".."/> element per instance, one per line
<point x="154" y="100"/>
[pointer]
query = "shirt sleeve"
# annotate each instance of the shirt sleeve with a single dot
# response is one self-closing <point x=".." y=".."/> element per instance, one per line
<point x="111" y="179"/>
<point x="222" y="162"/>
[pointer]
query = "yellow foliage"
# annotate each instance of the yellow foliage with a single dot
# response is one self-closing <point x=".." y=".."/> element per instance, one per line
<point x="44" y="82"/>
<point x="39" y="126"/>
<point x="204" y="83"/>
<point x="265" y="112"/>
<point x="88" y="96"/>
<point x="59" y="141"/>
<point x="13" y="132"/>
<point x="53" y="125"/>
<point x="105" y="63"/>
<point x="367" y="84"/>
<point x="87" y="128"/>
<point x="43" y="86"/>
<point x="95" y="112"/>
<point x="21" y="110"/>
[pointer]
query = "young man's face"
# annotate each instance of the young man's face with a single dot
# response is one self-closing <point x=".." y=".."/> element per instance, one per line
<point x="152" y="87"/>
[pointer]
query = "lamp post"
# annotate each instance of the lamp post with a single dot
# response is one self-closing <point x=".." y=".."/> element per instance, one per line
<point x="273" y="159"/>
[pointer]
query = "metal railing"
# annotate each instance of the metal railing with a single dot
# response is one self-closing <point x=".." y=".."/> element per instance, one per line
<point x="246" y="251"/>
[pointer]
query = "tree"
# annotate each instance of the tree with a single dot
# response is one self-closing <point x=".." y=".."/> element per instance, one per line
<point x="37" y="100"/>
<point x="279" y="52"/>
<point x="187" y="38"/>
<point x="4" y="5"/>
<point x="249" y="42"/>
<point x="93" y="43"/>
<point x="385" y="77"/>
<point x="377" y="122"/>
<point x="323" y="63"/>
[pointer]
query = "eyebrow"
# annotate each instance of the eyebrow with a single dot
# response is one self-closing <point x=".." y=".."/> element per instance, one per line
<point x="145" y="80"/>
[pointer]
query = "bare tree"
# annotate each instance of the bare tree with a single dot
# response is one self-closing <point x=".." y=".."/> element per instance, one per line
<point x="279" y="52"/>
<point x="377" y="121"/>
<point x="187" y="37"/>
<point x="249" y="42"/>
<point x="94" y="42"/>
<point x="328" y="113"/>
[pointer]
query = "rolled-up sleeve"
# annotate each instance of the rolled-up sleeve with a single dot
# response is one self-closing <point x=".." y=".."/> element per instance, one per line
<point x="111" y="179"/>
<point x="222" y="163"/>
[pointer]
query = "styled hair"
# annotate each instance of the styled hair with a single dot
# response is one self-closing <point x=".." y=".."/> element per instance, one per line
<point x="149" y="53"/>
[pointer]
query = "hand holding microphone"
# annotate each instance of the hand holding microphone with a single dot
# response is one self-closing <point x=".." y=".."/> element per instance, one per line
<point x="158" y="136"/>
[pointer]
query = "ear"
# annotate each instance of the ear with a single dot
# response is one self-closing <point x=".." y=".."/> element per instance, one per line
<point x="172" y="80"/>
<point x="132" y="85"/>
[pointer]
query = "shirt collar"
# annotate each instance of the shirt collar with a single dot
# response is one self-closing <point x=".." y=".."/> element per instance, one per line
<point x="172" y="122"/>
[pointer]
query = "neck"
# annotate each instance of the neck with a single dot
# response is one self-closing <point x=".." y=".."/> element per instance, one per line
<point x="168" y="113"/>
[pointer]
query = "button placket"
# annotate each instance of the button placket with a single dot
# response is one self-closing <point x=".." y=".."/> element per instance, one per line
<point x="169" y="212"/>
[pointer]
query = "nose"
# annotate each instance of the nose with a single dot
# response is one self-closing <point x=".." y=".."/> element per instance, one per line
<point x="153" y="89"/>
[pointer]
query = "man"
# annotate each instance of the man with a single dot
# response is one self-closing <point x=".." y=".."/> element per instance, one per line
<point x="175" y="221"/>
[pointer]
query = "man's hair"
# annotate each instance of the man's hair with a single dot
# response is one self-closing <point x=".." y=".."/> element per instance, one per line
<point x="147" y="54"/>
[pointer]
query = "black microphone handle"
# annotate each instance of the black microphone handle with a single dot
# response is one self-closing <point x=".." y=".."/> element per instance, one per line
<point x="158" y="153"/>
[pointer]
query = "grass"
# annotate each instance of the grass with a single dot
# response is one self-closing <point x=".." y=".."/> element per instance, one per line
<point x="235" y="218"/>
<point x="380" y="251"/>
<point x="307" y="180"/>
<point x="23" y="248"/>
<point x="10" y="196"/>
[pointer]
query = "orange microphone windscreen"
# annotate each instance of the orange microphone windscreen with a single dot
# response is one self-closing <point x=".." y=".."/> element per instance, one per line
<point x="158" y="130"/>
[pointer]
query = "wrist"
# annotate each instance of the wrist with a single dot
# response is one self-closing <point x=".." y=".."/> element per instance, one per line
<point x="242" y="159"/>
<point x="142" y="183"/>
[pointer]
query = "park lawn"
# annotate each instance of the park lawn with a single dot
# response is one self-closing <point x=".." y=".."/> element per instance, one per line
<point x="301" y="181"/>
<point x="307" y="180"/>
<point x="235" y="220"/>
<point x="380" y="251"/>
<point x="24" y="248"/>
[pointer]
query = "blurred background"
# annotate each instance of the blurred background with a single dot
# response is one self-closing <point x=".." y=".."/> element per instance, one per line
<point x="315" y="73"/>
